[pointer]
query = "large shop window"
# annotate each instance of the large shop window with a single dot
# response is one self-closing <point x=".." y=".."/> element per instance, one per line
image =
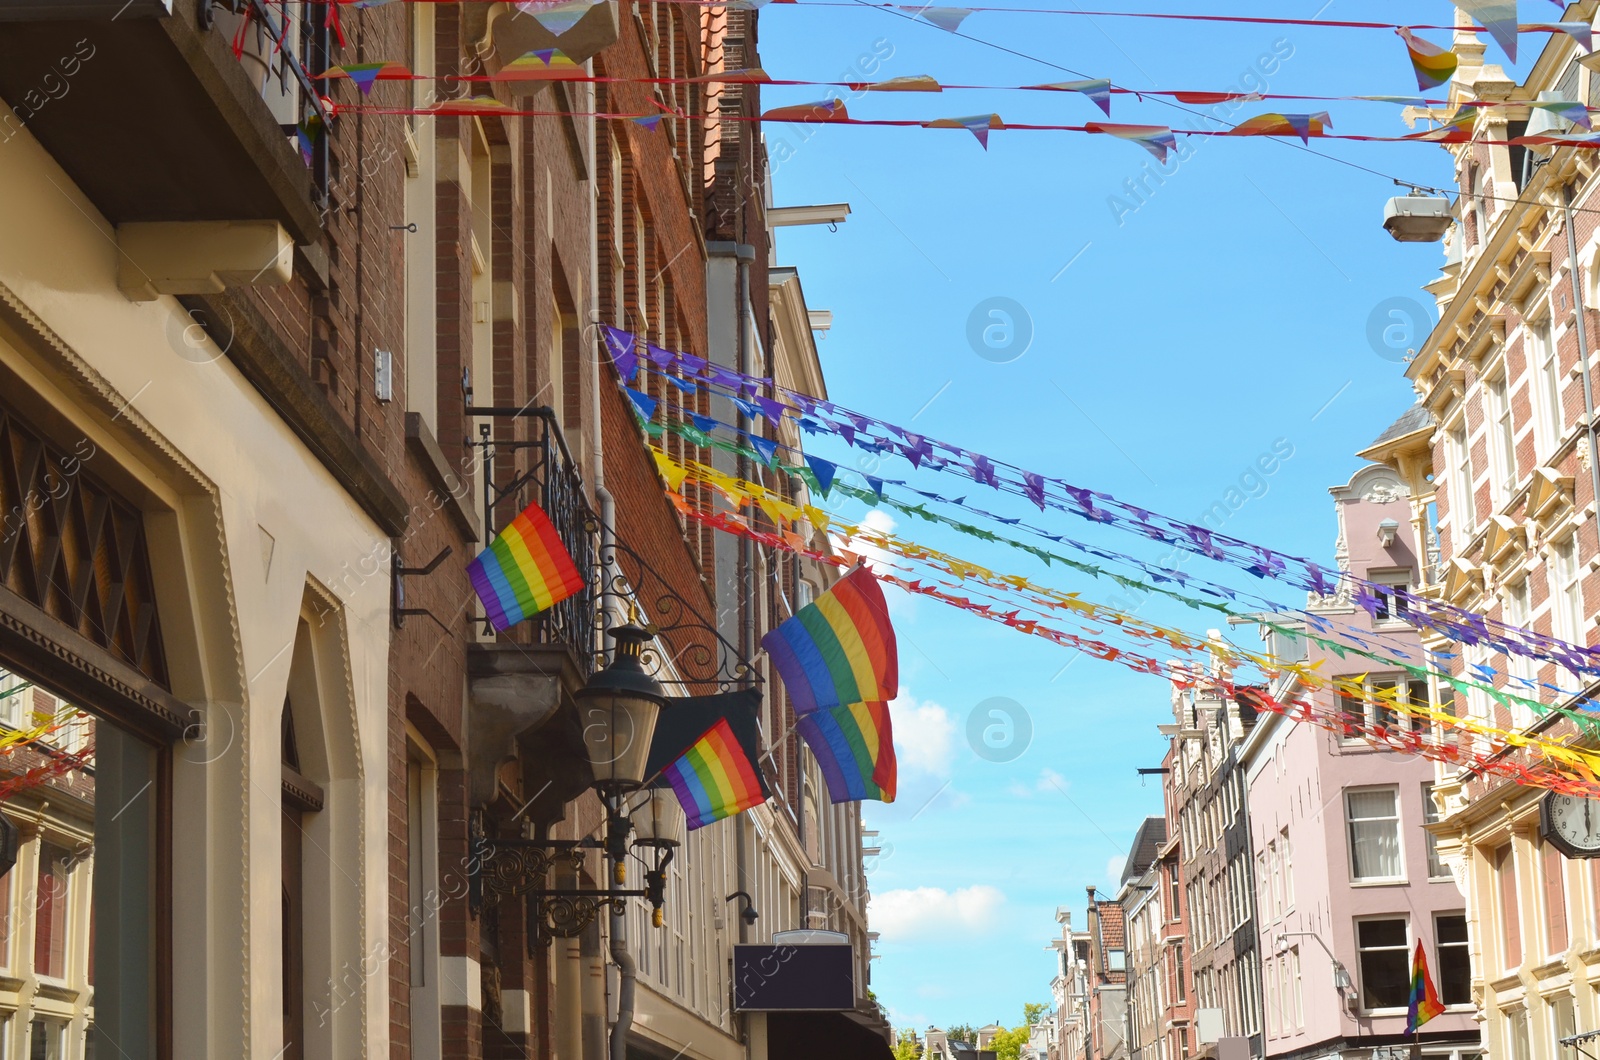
<point x="79" y="905"/>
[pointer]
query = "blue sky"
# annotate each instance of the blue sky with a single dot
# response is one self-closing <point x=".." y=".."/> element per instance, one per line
<point x="1227" y="313"/>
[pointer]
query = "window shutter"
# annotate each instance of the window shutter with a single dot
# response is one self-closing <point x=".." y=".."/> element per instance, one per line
<point x="1555" y="900"/>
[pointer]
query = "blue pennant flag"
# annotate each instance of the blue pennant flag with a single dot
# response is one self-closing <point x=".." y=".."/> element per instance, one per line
<point x="705" y="423"/>
<point x="765" y="446"/>
<point x="876" y="484"/>
<point x="685" y="385"/>
<point x="749" y="408"/>
<point x="824" y="470"/>
<point x="642" y="402"/>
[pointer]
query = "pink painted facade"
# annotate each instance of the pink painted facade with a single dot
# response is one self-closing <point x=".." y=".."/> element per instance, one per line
<point x="1346" y="882"/>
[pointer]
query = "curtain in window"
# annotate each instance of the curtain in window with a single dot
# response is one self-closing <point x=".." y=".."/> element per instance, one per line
<point x="1374" y="835"/>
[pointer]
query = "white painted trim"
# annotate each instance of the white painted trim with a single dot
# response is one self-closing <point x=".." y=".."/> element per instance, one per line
<point x="460" y="983"/>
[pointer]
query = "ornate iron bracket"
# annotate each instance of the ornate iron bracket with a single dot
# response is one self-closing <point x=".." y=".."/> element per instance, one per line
<point x="520" y="868"/>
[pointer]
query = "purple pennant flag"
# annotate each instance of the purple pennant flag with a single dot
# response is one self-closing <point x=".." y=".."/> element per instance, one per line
<point x="774" y="410"/>
<point x="692" y="363"/>
<point x="860" y="421"/>
<point x="765" y="446"/>
<point x="649" y="121"/>
<point x="619" y="344"/>
<point x="1084" y="499"/>
<point x="983" y="471"/>
<point x="911" y="453"/>
<point x="802" y="402"/>
<point x="659" y="357"/>
<point x="1034" y="485"/>
<point x="1301" y="124"/>
<point x="644" y="403"/>
<point x="823" y="470"/>
<point x="847" y="433"/>
<point x="705" y="424"/>
<point x="364" y="75"/>
<point x="722" y="376"/>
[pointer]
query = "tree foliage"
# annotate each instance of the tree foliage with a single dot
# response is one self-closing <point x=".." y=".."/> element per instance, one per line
<point x="1033" y="1011"/>
<point x="906" y="1047"/>
<point x="1007" y="1045"/>
<point x="962" y="1032"/>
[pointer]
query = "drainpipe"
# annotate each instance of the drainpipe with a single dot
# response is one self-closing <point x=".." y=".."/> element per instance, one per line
<point x="1583" y="341"/>
<point x="625" y="987"/>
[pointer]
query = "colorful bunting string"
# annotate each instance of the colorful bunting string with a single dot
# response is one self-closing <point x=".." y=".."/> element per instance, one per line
<point x="1453" y="623"/>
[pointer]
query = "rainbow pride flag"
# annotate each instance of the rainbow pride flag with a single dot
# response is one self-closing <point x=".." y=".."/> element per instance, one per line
<point x="716" y="778"/>
<point x="1425" y="1003"/>
<point x="854" y="745"/>
<point x="839" y="649"/>
<point x="524" y="570"/>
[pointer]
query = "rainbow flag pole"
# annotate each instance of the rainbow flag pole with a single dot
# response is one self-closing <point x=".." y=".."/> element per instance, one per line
<point x="1424" y="1003"/>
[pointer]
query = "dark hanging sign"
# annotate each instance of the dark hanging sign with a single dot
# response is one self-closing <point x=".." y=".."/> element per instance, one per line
<point x="10" y="840"/>
<point x="808" y="978"/>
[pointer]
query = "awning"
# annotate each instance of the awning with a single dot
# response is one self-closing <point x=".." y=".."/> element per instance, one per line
<point x="836" y="1035"/>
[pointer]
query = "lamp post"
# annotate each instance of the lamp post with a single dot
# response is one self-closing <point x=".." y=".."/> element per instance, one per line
<point x="618" y="708"/>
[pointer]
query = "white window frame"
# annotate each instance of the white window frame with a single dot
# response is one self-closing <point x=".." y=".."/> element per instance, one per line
<point x="1430" y="815"/>
<point x="1361" y="971"/>
<point x="1399" y="834"/>
<point x="1393" y="606"/>
<point x="1544" y="360"/>
<point x="1374" y="709"/>
<point x="1566" y="589"/>
<point x="1502" y="441"/>
<point x="1463" y="516"/>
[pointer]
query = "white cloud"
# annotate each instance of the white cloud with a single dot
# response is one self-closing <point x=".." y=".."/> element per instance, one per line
<point x="1049" y="780"/>
<point x="924" y="734"/>
<point x="928" y="911"/>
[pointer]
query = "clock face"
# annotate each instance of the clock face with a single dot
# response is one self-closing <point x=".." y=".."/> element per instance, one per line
<point x="1575" y="821"/>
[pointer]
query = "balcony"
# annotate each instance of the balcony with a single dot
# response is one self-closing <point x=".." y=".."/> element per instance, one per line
<point x="149" y="112"/>
<point x="522" y="684"/>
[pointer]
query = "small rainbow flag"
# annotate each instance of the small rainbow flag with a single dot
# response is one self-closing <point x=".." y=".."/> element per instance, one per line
<point x="839" y="649"/>
<point x="715" y="778"/>
<point x="542" y="64"/>
<point x="524" y="570"/>
<point x="1425" y="1003"/>
<point x="1432" y="64"/>
<point x="854" y="745"/>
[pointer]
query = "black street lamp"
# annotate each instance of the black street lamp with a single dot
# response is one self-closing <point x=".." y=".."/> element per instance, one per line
<point x="618" y="708"/>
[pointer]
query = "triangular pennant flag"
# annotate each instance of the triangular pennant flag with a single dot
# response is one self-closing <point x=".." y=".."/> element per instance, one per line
<point x="909" y="83"/>
<point x="824" y="471"/>
<point x="1458" y="130"/>
<point x="1578" y="31"/>
<point x="764" y="446"/>
<point x="649" y="121"/>
<point x="1157" y="139"/>
<point x="684" y="385"/>
<point x="714" y="774"/>
<point x="1273" y="124"/>
<point x="749" y="408"/>
<point x="309" y="132"/>
<point x="691" y="363"/>
<point x="876" y="484"/>
<point x="704" y="423"/>
<point x="1097" y="89"/>
<point x="1499" y="17"/>
<point x="1206" y="99"/>
<point x="978" y="125"/>
<point x="644" y="403"/>
<point x="556" y="16"/>
<point x="773" y="410"/>
<point x="948" y="19"/>
<point x="821" y="111"/>
<point x="541" y="64"/>
<point x="1432" y="64"/>
<point x="657" y="356"/>
<point x="1576" y="113"/>
<point x="364" y="75"/>
<point x="619" y="344"/>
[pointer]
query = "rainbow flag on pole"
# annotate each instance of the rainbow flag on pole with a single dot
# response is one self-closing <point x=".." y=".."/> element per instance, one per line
<point x="525" y="570"/>
<point x="839" y="649"/>
<point x="854" y="745"/>
<point x="715" y="778"/>
<point x="839" y="661"/>
<point x="1425" y="1003"/>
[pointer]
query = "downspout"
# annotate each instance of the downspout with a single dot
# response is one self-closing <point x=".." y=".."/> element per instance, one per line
<point x="625" y="985"/>
<point x="1583" y="342"/>
<point x="626" y="969"/>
